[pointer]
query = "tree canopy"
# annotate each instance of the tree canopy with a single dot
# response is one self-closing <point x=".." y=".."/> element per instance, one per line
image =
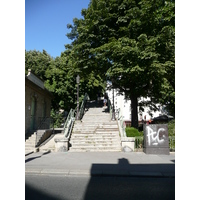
<point x="129" y="42"/>
<point x="132" y="44"/>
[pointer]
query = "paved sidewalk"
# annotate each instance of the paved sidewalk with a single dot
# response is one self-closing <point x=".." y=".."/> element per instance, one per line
<point x="100" y="164"/>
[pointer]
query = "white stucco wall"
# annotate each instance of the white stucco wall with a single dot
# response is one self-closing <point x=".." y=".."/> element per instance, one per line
<point x="125" y="106"/>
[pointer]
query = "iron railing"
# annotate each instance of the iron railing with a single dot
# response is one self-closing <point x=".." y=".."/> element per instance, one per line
<point x="119" y="117"/>
<point x="69" y="123"/>
<point x="121" y="123"/>
<point x="82" y="107"/>
<point x="139" y="143"/>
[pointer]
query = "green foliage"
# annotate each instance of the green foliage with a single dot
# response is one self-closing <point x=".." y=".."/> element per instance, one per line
<point x="57" y="118"/>
<point x="57" y="74"/>
<point x="61" y="82"/>
<point x="131" y="43"/>
<point x="133" y="132"/>
<point x="38" y="62"/>
<point x="171" y="128"/>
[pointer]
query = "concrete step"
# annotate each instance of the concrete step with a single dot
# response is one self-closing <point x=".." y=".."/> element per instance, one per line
<point x="32" y="137"/>
<point x="91" y="143"/>
<point x="29" y="149"/>
<point x="83" y="136"/>
<point x="51" y="149"/>
<point x="107" y="131"/>
<point x="77" y="140"/>
<point x="83" y="131"/>
<point x="95" y="140"/>
<point x="95" y="132"/>
<point x="102" y="131"/>
<point x="95" y="127"/>
<point x="28" y="143"/>
<point x="95" y="149"/>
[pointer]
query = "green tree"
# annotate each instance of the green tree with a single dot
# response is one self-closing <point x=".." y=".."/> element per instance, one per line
<point x="57" y="75"/>
<point x="132" y="44"/>
<point x="38" y="62"/>
<point x="61" y="82"/>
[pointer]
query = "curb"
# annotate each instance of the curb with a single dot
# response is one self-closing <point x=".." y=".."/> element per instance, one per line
<point x="100" y="173"/>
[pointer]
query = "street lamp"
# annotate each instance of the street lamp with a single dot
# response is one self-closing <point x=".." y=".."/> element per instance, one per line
<point x="77" y="81"/>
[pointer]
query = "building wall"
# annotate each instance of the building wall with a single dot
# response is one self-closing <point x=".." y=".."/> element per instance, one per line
<point x="42" y="104"/>
<point x="125" y="107"/>
<point x="120" y="102"/>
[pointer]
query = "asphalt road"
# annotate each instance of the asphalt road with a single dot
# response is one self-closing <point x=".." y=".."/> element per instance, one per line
<point x="54" y="187"/>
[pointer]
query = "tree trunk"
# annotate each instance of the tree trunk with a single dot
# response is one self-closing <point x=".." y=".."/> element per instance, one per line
<point x="134" y="111"/>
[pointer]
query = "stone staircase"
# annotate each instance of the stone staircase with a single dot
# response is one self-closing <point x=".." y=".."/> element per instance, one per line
<point x="36" y="139"/>
<point x="96" y="131"/>
<point x="30" y="143"/>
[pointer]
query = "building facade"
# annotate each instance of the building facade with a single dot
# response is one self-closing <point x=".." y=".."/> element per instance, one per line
<point x="37" y="102"/>
<point x="125" y="107"/>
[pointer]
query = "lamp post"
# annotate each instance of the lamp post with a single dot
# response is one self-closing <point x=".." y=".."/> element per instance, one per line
<point x="113" y="108"/>
<point x="77" y="81"/>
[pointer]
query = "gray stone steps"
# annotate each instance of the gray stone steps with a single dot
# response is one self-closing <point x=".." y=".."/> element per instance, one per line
<point x="111" y="134"/>
<point x="95" y="149"/>
<point x="95" y="143"/>
<point x="89" y="139"/>
<point x="30" y="143"/>
<point x="95" y="132"/>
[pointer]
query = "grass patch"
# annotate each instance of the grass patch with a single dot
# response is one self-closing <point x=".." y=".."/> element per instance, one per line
<point x="133" y="132"/>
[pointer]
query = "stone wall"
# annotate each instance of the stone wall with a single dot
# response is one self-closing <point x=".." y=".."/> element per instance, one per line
<point x="42" y="106"/>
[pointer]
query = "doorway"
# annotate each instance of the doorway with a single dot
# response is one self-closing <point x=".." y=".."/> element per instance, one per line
<point x="33" y="105"/>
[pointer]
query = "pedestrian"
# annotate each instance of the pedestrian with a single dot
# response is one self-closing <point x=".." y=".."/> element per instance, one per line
<point x="105" y="99"/>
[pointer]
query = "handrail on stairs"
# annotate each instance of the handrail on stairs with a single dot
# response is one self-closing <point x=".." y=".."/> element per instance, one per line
<point x="121" y="123"/>
<point x="119" y="117"/>
<point x="82" y="107"/>
<point x="69" y="123"/>
<point x="72" y="116"/>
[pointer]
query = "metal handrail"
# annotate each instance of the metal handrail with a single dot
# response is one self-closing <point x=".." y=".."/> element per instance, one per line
<point x="69" y="123"/>
<point x="72" y="116"/>
<point x="82" y="107"/>
<point x="119" y="117"/>
<point x="109" y="107"/>
<point x="121" y="124"/>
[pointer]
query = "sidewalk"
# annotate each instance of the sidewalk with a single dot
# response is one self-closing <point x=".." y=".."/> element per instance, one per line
<point x="100" y="164"/>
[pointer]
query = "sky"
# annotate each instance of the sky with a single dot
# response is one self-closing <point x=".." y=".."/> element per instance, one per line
<point x="46" y="23"/>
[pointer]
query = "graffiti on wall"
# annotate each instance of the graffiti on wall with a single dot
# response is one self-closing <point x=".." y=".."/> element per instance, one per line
<point x="156" y="136"/>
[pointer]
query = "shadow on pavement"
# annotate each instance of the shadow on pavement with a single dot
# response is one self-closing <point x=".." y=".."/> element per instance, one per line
<point x="115" y="184"/>
<point x="109" y="185"/>
<point x="32" y="193"/>
<point x="30" y="159"/>
<point x="123" y="167"/>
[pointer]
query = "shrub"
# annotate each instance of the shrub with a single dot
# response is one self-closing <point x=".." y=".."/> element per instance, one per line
<point x="133" y="132"/>
<point x="57" y="118"/>
<point x="171" y="128"/>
